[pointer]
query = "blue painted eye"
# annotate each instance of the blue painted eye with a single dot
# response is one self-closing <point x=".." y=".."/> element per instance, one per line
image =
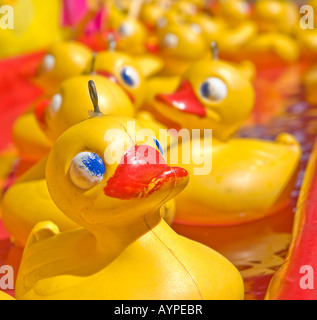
<point x="87" y="170"/>
<point x="214" y="89"/>
<point x="130" y="77"/>
<point x="158" y="145"/>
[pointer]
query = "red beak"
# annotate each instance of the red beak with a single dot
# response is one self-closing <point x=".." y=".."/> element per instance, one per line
<point x="141" y="172"/>
<point x="184" y="99"/>
<point x="40" y="111"/>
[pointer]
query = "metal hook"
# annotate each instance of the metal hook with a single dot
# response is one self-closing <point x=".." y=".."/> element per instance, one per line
<point x="94" y="99"/>
<point x="112" y="42"/>
<point x="214" y="50"/>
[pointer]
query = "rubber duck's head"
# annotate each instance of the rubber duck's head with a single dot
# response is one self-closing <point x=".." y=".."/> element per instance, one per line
<point x="181" y="44"/>
<point x="212" y="29"/>
<point x="212" y="95"/>
<point x="132" y="36"/>
<point x="150" y="14"/>
<point x="101" y="173"/>
<point x="170" y="17"/>
<point x="186" y="8"/>
<point x="129" y="73"/>
<point x="64" y="60"/>
<point x="71" y="104"/>
<point x="233" y="11"/>
<point x="276" y="15"/>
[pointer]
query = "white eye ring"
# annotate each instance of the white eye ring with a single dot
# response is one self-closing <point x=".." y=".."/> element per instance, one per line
<point x="161" y="22"/>
<point x="130" y="77"/>
<point x="196" y="28"/>
<point x="170" y="41"/>
<point x="48" y="63"/>
<point x="55" y="104"/>
<point x="125" y="30"/>
<point x="87" y="170"/>
<point x="244" y="7"/>
<point x="214" y="89"/>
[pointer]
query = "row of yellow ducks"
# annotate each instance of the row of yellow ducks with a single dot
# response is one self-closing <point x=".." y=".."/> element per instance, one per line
<point x="92" y="206"/>
<point x="268" y="29"/>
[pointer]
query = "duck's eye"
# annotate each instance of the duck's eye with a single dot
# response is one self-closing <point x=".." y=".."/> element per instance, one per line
<point x="196" y="28"/>
<point x="87" y="170"/>
<point x="170" y="41"/>
<point x="162" y="22"/>
<point x="243" y="7"/>
<point x="48" y="63"/>
<point x="214" y="89"/>
<point x="158" y="145"/>
<point x="130" y="77"/>
<point x="125" y="30"/>
<point x="55" y="104"/>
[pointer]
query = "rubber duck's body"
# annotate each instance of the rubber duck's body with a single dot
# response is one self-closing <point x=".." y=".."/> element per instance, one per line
<point x="35" y="26"/>
<point x="64" y="110"/>
<point x="249" y="178"/>
<point x="123" y="250"/>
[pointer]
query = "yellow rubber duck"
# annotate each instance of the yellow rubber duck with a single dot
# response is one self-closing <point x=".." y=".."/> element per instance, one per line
<point x="249" y="178"/>
<point x="123" y="250"/>
<point x="130" y="73"/>
<point x="29" y="140"/>
<point x="234" y="12"/>
<point x="132" y="36"/>
<point x="277" y="22"/>
<point x="174" y="41"/>
<point x="277" y="16"/>
<point x="5" y="297"/>
<point x="64" y="60"/>
<point x="33" y="25"/>
<point x="65" y="109"/>
<point x="234" y="28"/>
<point x="151" y="12"/>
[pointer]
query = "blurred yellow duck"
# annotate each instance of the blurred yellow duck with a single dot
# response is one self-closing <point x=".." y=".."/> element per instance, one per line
<point x="65" y="109"/>
<point x="35" y="26"/>
<point x="277" y="16"/>
<point x="123" y="250"/>
<point x="277" y="22"/>
<point x="234" y="12"/>
<point x="132" y="36"/>
<point x="64" y="60"/>
<point x="249" y="178"/>
<point x="174" y="43"/>
<point x="235" y="29"/>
